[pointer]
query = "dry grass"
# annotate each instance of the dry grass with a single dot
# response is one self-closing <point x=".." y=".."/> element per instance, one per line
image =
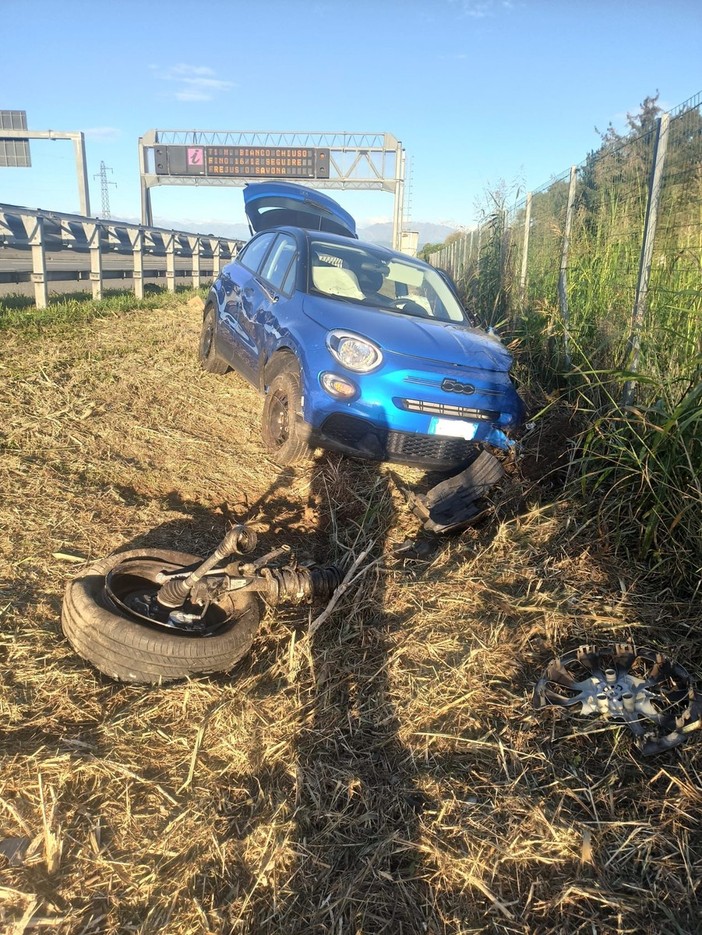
<point x="385" y="776"/>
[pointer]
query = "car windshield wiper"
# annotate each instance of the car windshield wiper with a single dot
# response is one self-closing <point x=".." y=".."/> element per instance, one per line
<point x="341" y="298"/>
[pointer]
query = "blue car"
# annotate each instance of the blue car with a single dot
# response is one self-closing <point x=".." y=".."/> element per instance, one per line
<point x="356" y="348"/>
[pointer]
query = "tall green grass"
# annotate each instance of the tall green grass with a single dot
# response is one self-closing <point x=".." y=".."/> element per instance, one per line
<point x="639" y="466"/>
<point x="642" y="469"/>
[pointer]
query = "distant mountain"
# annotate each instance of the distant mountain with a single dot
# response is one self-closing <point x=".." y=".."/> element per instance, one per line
<point x="428" y="232"/>
<point x="375" y="233"/>
<point x="220" y="228"/>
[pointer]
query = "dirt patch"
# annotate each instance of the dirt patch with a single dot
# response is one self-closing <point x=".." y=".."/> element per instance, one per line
<point x="386" y="776"/>
<point x="548" y="448"/>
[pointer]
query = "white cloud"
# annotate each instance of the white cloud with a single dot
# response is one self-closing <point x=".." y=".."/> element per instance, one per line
<point x="192" y="96"/>
<point x="193" y="82"/>
<point x="479" y="9"/>
<point x="103" y="134"/>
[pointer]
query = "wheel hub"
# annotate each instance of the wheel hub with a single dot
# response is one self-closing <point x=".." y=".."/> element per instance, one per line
<point x="654" y="696"/>
<point x="281" y="418"/>
<point x="133" y="585"/>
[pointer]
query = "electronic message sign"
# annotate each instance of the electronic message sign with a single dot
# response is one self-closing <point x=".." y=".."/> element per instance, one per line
<point x="284" y="162"/>
<point x="14" y="152"/>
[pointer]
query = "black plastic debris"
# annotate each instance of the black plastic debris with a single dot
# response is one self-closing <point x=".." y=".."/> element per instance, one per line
<point x="457" y="502"/>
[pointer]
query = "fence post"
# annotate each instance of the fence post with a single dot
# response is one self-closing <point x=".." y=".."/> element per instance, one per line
<point x="660" y="148"/>
<point x="34" y="227"/>
<point x="525" y="251"/>
<point x="563" y="275"/>
<point x="136" y="240"/>
<point x="505" y="237"/>
<point x="170" y="263"/>
<point x="196" y="253"/>
<point x="93" y="235"/>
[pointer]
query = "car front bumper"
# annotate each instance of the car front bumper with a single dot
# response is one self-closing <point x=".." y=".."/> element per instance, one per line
<point x="403" y="415"/>
<point x="362" y="439"/>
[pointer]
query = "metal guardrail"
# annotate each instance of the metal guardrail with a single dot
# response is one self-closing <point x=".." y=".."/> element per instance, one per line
<point x="36" y="234"/>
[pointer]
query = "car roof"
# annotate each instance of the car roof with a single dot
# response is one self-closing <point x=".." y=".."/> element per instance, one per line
<point x="382" y="252"/>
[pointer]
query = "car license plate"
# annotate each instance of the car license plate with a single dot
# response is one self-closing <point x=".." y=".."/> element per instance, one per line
<point x="455" y="428"/>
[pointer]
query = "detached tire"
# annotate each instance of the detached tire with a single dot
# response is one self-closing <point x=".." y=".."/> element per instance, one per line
<point x="130" y="651"/>
<point x="207" y="352"/>
<point x="284" y="433"/>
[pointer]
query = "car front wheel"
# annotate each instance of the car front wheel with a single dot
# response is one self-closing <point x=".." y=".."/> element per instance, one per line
<point x="127" y="647"/>
<point x="284" y="433"/>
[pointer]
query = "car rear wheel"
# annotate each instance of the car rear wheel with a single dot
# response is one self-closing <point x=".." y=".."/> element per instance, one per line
<point x="208" y="356"/>
<point x="284" y="433"/>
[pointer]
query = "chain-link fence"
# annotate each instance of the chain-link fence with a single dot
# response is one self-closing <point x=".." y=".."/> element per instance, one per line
<point x="601" y="268"/>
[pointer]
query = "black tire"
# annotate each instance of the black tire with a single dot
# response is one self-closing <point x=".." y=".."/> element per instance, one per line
<point x="208" y="349"/>
<point x="284" y="434"/>
<point x="129" y="651"/>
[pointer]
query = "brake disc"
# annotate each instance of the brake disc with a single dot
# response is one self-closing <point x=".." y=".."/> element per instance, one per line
<point x="132" y="587"/>
<point x="654" y="696"/>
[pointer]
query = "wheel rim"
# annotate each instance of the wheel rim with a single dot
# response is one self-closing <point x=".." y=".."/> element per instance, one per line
<point x="132" y="587"/>
<point x="280" y="419"/>
<point x="654" y="696"/>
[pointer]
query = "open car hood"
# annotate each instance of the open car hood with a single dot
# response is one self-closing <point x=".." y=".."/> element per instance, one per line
<point x="284" y="204"/>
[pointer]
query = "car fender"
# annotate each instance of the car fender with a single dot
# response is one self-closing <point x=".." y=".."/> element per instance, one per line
<point x="284" y="344"/>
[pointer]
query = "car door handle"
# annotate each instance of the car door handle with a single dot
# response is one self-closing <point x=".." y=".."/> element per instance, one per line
<point x="271" y="296"/>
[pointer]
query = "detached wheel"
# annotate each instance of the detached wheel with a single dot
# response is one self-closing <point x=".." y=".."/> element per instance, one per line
<point x="208" y="358"/>
<point x="130" y="649"/>
<point x="284" y="433"/>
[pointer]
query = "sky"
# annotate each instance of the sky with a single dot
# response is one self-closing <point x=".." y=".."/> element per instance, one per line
<point x="480" y="92"/>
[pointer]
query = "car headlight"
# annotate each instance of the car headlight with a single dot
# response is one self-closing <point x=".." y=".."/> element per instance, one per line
<point x="354" y="352"/>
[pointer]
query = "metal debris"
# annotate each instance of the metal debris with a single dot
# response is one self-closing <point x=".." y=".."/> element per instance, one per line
<point x="146" y="588"/>
<point x="654" y="696"/>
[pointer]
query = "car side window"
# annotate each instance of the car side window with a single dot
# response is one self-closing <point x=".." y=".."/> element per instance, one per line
<point x="280" y="262"/>
<point x="254" y="252"/>
<point x="289" y="283"/>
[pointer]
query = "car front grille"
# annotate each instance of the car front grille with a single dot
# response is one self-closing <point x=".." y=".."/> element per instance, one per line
<point x="427" y="447"/>
<point x="444" y="409"/>
<point x="490" y="389"/>
<point x="383" y="444"/>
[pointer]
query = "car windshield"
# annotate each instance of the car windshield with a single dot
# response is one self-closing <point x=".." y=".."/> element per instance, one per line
<point x="357" y="273"/>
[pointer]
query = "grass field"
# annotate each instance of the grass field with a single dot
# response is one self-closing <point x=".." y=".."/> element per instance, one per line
<point x="387" y="775"/>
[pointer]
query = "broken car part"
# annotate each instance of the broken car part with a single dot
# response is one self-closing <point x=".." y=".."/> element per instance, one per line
<point x="654" y="696"/>
<point x="456" y="503"/>
<point x="156" y="615"/>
